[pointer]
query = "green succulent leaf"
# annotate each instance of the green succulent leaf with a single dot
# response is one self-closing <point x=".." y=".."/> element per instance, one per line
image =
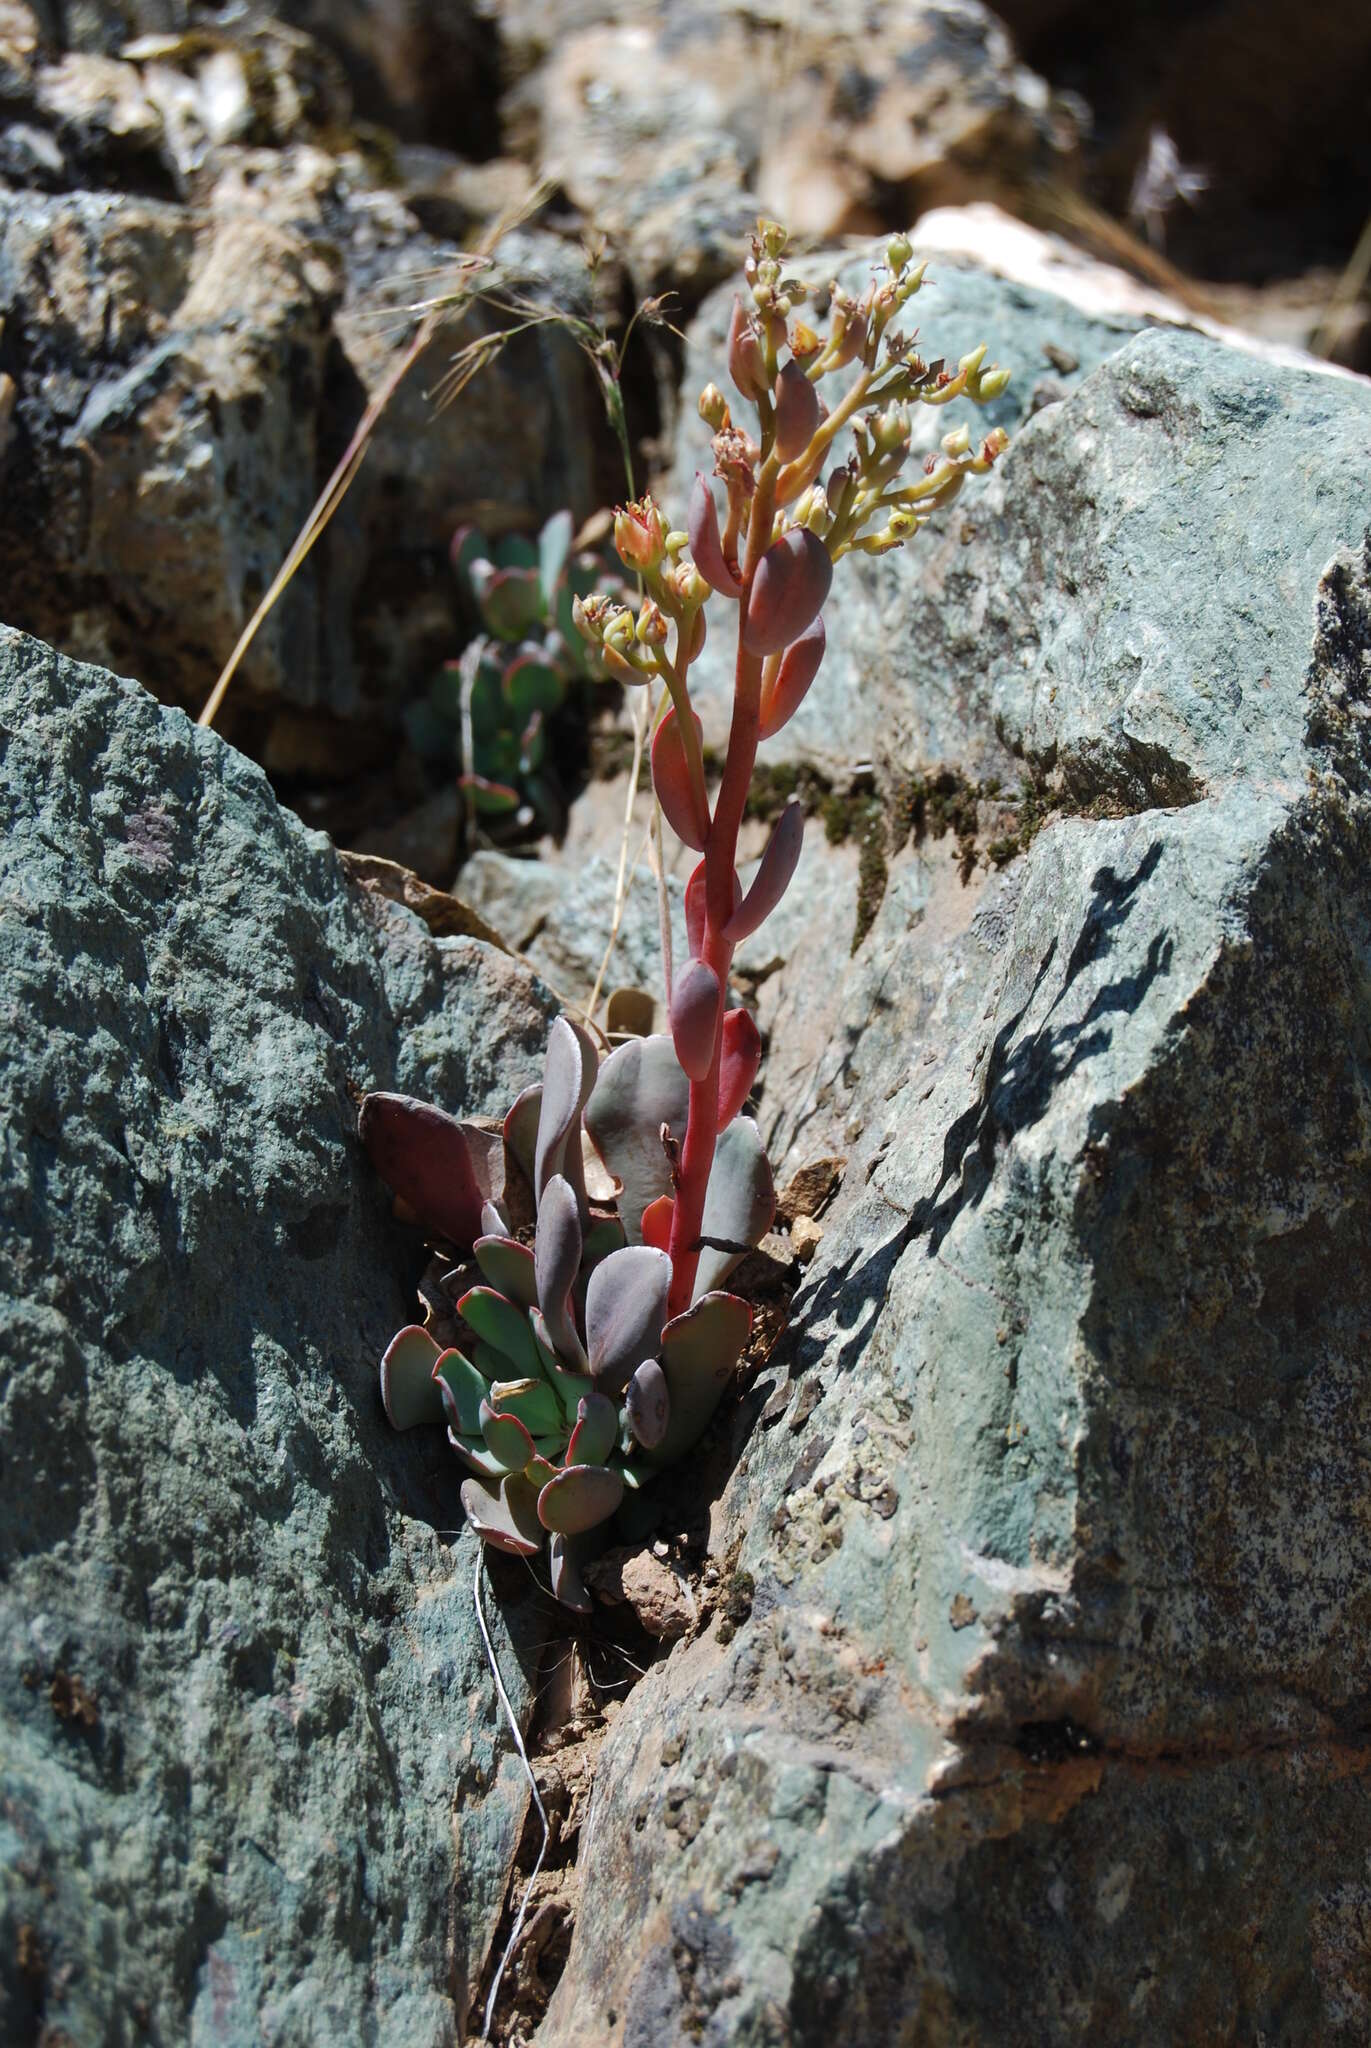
<point x="473" y="1453"/>
<point x="487" y="705"/>
<point x="469" y="546"/>
<point x="516" y="551"/>
<point x="530" y="1401"/>
<point x="506" y="1438"/>
<point x="603" y="1237"/>
<point x="446" y="694"/>
<point x="579" y="1497"/>
<point x="539" y="1470"/>
<point x="500" y="1323"/>
<point x="554" y="545"/>
<point x="462" y="1390"/>
<point x="569" y="1386"/>
<point x="530" y="685"/>
<point x="407" y="1387"/>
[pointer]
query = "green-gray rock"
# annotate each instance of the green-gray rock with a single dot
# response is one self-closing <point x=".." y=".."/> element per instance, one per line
<point x="254" y="1782"/>
<point x="1049" y="1719"/>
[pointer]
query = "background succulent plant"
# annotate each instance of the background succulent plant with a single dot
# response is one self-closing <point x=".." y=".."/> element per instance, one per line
<point x="562" y="1378"/>
<point x="491" y="710"/>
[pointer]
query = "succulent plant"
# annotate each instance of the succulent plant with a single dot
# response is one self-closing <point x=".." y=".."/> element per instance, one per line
<point x="572" y="1383"/>
<point x="791" y="513"/>
<point x="492" y="708"/>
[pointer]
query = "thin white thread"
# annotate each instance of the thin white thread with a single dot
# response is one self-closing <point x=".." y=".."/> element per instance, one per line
<point x="517" y="1928"/>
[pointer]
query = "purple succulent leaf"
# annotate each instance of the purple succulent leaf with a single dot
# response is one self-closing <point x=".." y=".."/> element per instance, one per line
<point x="706" y="548"/>
<point x="568" y="1077"/>
<point x="507" y="1520"/>
<point x="774" y="871"/>
<point x="557" y="1261"/>
<point x="625" y="1309"/>
<point x="580" y="1497"/>
<point x="695" y="1017"/>
<point x="422" y="1155"/>
<point x="740" y="1202"/>
<point x="648" y="1403"/>
<point x="797" y="411"/>
<point x="596" y="1432"/>
<point x="407" y="1387"/>
<point x="788" y="591"/>
<point x="695" y="909"/>
<point x="521" y="1129"/>
<point x="684" y="803"/>
<point x="508" y="1265"/>
<point x="640" y="1087"/>
<point x="494" y="1221"/>
<point x="746" y="363"/>
<point x="700" y="1351"/>
<point x="567" y="1584"/>
<point x="796" y="670"/>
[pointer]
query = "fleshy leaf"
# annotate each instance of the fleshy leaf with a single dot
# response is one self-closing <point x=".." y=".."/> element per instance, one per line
<point x="532" y="686"/>
<point x="788" y="591"/>
<point x="499" y="1322"/>
<point x="772" y="878"/>
<point x="506" y="1438"/>
<point x="462" y="1389"/>
<point x="640" y="1087"/>
<point x="421" y="1153"/>
<point x="508" y="1265"/>
<point x="491" y="799"/>
<point x="739" y="1202"/>
<point x="569" y="1386"/>
<point x="539" y="1470"/>
<point x="510" y="603"/>
<point x="554" y="545"/>
<point x="407" y="1388"/>
<point x="596" y="1431"/>
<point x="700" y="1350"/>
<point x="531" y="1402"/>
<point x="507" y="1520"/>
<point x="567" y="1583"/>
<point x="568" y="1077"/>
<point x="706" y="548"/>
<point x="557" y="1261"/>
<point x="625" y="1309"/>
<point x="494" y="1221"/>
<point x="695" y="909"/>
<point x="579" y="1497"/>
<point x="783" y="694"/>
<point x="603" y="1237"/>
<point x="473" y="1453"/>
<point x="738" y="1063"/>
<point x="682" y="798"/>
<point x="797" y="411"/>
<point x="695" y="1017"/>
<point x="521" y="1128"/>
<point x="648" y="1403"/>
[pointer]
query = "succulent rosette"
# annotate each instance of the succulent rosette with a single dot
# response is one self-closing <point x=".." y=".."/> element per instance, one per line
<point x="571" y="1383"/>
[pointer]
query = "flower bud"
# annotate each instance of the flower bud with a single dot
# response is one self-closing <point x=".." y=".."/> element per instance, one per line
<point x="651" y="629"/>
<point x="958" y="442"/>
<point x="993" y="383"/>
<point x="788" y="591"/>
<point x="898" y="251"/>
<point x="714" y="408"/>
<point x="688" y="586"/>
<point x="971" y="363"/>
<point x="640" y="534"/>
<point x="811" y="509"/>
<point x="890" y="431"/>
<point x="746" y="363"/>
<point x="804" y="342"/>
<point x="772" y="237"/>
<point x="591" y="615"/>
<point x="797" y="412"/>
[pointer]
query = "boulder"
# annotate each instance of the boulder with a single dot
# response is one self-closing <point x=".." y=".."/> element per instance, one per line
<point x="255" y="1782"/>
<point x="1041" y="1708"/>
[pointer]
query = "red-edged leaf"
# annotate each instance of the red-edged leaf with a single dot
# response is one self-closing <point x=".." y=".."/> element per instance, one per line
<point x="682" y="798"/>
<point x="772" y="878"/>
<point x="788" y="591"/>
<point x="695" y="909"/>
<point x="706" y="548"/>
<point x="579" y="1497"/>
<point x="784" y="691"/>
<point x="738" y="1063"/>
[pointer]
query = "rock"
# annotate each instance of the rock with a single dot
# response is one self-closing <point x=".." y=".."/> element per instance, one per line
<point x="185" y="379"/>
<point x="428" y="69"/>
<point x="254" y="1776"/>
<point x="660" y="1597"/>
<point x="1053" y="1532"/>
<point x="559" y="919"/>
<point x="662" y="123"/>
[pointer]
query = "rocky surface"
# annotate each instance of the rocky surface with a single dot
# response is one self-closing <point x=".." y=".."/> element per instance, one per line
<point x="254" y="1785"/>
<point x="1047" y="1716"/>
<point x="205" y="272"/>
